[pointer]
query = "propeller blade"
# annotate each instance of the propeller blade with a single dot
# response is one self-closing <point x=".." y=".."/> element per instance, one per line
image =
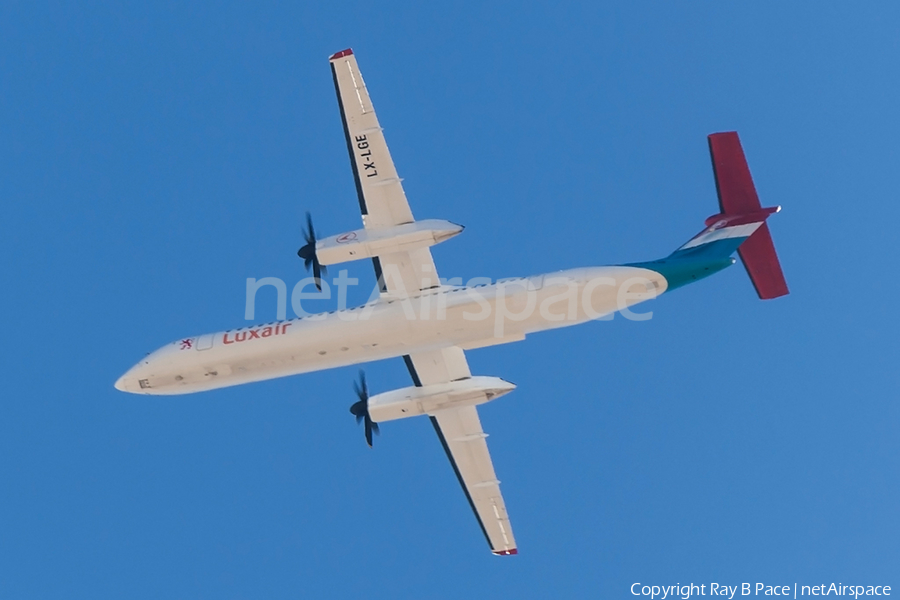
<point x="360" y="408"/>
<point x="308" y="252"/>
<point x="361" y="393"/>
<point x="371" y="427"/>
<point x="310" y="232"/>
<point x="317" y="274"/>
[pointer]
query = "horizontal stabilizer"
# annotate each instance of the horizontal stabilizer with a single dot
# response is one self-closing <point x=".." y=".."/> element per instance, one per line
<point x="737" y="197"/>
<point x="737" y="194"/>
<point x="761" y="262"/>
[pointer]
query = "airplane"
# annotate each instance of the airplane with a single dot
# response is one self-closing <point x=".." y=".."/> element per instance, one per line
<point x="431" y="324"/>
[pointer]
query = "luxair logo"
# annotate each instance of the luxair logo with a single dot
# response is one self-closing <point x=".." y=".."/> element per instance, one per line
<point x="255" y="334"/>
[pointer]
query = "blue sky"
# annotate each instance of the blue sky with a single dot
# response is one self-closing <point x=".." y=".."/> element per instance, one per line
<point x="155" y="155"/>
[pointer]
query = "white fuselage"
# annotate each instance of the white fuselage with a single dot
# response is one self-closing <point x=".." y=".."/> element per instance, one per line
<point x="389" y="327"/>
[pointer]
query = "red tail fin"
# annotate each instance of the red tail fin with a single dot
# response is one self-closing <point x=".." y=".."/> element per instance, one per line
<point x="737" y="196"/>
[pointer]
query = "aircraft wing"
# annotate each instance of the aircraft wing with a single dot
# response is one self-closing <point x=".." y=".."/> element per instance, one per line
<point x="381" y="198"/>
<point x="465" y="443"/>
<point x="383" y="204"/>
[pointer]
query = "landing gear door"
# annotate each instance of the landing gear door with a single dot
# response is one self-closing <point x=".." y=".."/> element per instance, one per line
<point x="205" y="342"/>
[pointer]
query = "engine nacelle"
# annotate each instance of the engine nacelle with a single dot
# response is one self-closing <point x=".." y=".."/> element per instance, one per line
<point x="363" y="243"/>
<point x="428" y="399"/>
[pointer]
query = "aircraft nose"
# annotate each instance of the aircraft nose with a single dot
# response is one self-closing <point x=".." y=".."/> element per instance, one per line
<point x="122" y="384"/>
<point x="128" y="383"/>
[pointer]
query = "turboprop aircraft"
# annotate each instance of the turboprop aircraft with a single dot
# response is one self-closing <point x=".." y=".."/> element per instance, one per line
<point x="430" y="324"/>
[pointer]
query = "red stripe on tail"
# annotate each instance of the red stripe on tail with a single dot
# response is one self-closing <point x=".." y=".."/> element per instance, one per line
<point x="737" y="196"/>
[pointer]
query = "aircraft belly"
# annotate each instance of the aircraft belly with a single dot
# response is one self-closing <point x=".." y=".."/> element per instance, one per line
<point x="502" y="313"/>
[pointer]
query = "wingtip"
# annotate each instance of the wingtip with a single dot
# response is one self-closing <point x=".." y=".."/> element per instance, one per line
<point x="341" y="54"/>
<point x="509" y="552"/>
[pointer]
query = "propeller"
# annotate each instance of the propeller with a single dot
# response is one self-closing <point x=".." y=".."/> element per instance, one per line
<point x="361" y="408"/>
<point x="308" y="252"/>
